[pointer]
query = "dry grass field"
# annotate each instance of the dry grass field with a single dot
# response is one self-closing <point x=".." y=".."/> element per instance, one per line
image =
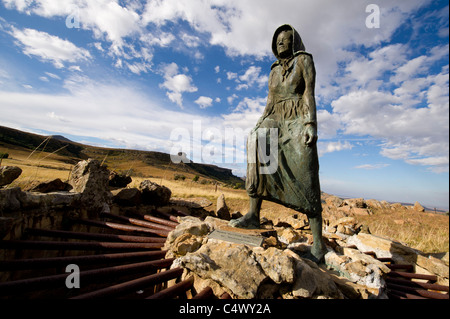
<point x="427" y="232"/>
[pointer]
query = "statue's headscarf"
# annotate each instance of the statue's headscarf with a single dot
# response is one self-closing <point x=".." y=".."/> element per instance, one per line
<point x="297" y="43"/>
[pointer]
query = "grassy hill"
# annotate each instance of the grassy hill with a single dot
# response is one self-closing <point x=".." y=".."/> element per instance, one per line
<point x="29" y="149"/>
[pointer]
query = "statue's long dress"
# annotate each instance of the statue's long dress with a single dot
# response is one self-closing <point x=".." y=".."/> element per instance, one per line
<point x="295" y="183"/>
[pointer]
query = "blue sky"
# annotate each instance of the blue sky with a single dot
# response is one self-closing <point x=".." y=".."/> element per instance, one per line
<point x="192" y="76"/>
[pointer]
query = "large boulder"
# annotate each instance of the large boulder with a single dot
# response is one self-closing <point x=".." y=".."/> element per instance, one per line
<point x="154" y="194"/>
<point x="231" y="265"/>
<point x="402" y="254"/>
<point x="222" y="210"/>
<point x="119" y="180"/>
<point x="8" y="174"/>
<point x="127" y="197"/>
<point x="418" y="207"/>
<point x="90" y="178"/>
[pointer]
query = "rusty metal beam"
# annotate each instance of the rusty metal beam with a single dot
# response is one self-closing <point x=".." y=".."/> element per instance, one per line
<point x="412" y="276"/>
<point x="417" y="291"/>
<point x="51" y="245"/>
<point x="167" y="215"/>
<point x="132" y="285"/>
<point x="159" y="232"/>
<point x="161" y="221"/>
<point x="92" y="236"/>
<point x="406" y="267"/>
<point x="417" y="284"/>
<point x="225" y="295"/>
<point x="40" y="263"/>
<point x="25" y="285"/>
<point x="205" y="293"/>
<point x="174" y="290"/>
<point x="137" y="222"/>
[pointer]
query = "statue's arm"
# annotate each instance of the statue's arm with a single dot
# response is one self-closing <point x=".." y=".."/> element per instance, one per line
<point x="309" y="101"/>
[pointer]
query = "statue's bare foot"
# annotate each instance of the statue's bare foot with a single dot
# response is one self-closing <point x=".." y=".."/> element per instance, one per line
<point x="248" y="221"/>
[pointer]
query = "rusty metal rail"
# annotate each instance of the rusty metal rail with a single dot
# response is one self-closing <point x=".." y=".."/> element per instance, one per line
<point x="40" y="263"/>
<point x="204" y="294"/>
<point x="174" y="290"/>
<point x="128" y="228"/>
<point x="136" y="262"/>
<point x="132" y="285"/>
<point x="160" y="221"/>
<point x="92" y="236"/>
<point x="58" y="245"/>
<point x="138" y="222"/>
<point x="85" y="276"/>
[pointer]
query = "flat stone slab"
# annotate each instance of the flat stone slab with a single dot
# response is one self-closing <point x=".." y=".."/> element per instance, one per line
<point x="252" y="237"/>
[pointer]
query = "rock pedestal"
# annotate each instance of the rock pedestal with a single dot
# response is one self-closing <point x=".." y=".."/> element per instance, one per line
<point x="246" y="271"/>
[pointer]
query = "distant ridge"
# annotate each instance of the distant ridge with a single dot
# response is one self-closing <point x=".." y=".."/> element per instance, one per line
<point x="74" y="152"/>
<point x="61" y="138"/>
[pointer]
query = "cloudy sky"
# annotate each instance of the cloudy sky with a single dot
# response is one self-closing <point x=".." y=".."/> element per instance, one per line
<point x="192" y="75"/>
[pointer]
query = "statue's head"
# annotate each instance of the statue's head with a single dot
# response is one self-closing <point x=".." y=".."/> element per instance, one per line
<point x="286" y="41"/>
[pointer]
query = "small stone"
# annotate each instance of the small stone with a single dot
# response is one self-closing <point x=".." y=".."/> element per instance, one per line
<point x="8" y="174"/>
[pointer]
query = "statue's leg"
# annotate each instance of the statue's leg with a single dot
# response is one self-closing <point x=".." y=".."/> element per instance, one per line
<point x="251" y="219"/>
<point x="318" y="249"/>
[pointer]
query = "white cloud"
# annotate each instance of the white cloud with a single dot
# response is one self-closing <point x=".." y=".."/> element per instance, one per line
<point x="159" y="38"/>
<point x="96" y="109"/>
<point x="231" y="98"/>
<point x="329" y="147"/>
<point x="328" y="124"/>
<point x="416" y="135"/>
<point x="204" y="102"/>
<point x="240" y="27"/>
<point x="231" y="75"/>
<point x="253" y="77"/>
<point x="53" y="76"/>
<point x="176" y="83"/>
<point x="246" y="114"/>
<point x="372" y="166"/>
<point x="191" y="41"/>
<point x="138" y="67"/>
<point x="48" y="47"/>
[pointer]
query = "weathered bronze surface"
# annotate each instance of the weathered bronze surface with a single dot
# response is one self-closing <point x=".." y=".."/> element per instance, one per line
<point x="290" y="113"/>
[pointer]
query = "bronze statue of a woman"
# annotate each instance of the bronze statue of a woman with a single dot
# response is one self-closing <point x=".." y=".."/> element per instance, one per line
<point x="291" y="113"/>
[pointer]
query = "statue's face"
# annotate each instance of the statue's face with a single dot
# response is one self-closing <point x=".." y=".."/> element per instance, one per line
<point x="284" y="44"/>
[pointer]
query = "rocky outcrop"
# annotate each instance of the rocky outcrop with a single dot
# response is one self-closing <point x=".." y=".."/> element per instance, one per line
<point x="119" y="180"/>
<point x="418" y="207"/>
<point x="90" y="179"/>
<point x="270" y="271"/>
<point x="154" y="194"/>
<point x="127" y="197"/>
<point x="222" y="210"/>
<point x="402" y="254"/>
<point x="8" y="174"/>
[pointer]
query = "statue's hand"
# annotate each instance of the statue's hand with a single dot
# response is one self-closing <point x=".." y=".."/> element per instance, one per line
<point x="310" y="135"/>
